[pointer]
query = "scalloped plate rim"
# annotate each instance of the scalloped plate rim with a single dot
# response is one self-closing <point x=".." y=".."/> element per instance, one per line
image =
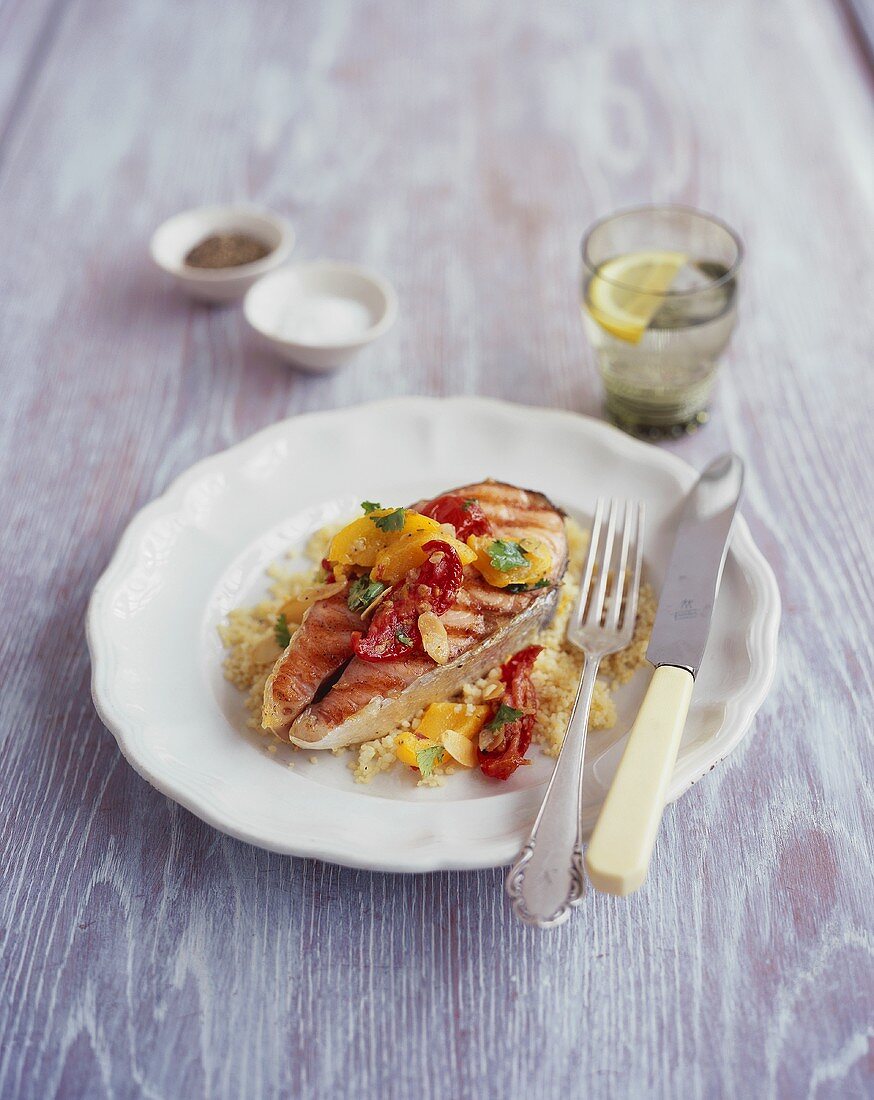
<point x="740" y="709"/>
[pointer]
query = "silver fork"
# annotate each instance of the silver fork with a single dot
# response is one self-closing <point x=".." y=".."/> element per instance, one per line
<point x="547" y="878"/>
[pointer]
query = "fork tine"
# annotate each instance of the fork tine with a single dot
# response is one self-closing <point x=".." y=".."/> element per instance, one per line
<point x="630" y="617"/>
<point x="591" y="557"/>
<point x="596" y="606"/>
<point x="617" y="588"/>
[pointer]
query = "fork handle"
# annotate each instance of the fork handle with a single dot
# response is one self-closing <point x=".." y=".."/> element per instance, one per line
<point x="547" y="878"/>
<point x="619" y="852"/>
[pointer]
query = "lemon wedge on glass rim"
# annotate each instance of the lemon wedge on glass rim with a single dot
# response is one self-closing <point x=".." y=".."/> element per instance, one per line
<point x="625" y="292"/>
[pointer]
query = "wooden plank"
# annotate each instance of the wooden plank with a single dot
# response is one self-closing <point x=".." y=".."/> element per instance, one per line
<point x="461" y="148"/>
<point x="27" y="34"/>
<point x="859" y="18"/>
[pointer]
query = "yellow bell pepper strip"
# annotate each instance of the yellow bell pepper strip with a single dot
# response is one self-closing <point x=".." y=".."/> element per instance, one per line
<point x="440" y="717"/>
<point x="447" y="730"/>
<point x="408" y="746"/>
<point x="393" y="563"/>
<point x="504" y="562"/>
<point x="361" y="541"/>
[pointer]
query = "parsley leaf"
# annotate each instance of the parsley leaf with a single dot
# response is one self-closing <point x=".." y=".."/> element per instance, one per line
<point x="504" y="716"/>
<point x="281" y="632"/>
<point x="369" y="506"/>
<point x="363" y="592"/>
<point x="544" y="583"/>
<point x="403" y="638"/>
<point x="392" y="521"/>
<point x="428" y="759"/>
<point x="468" y="504"/>
<point x="505" y="554"/>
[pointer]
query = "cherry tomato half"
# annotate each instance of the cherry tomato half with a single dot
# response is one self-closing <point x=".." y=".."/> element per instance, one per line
<point x="441" y="573"/>
<point x="393" y="631"/>
<point x="394" y="628"/>
<point x="465" y="515"/>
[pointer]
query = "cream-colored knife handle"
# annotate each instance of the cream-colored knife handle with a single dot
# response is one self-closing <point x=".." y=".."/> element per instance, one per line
<point x="618" y="855"/>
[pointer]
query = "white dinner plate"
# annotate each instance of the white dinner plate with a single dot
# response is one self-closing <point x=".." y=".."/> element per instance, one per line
<point x="202" y="548"/>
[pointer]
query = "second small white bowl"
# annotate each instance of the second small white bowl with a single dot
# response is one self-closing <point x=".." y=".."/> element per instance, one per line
<point x="318" y="315"/>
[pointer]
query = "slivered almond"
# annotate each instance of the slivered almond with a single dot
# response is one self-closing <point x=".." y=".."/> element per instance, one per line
<point x="266" y="650"/>
<point x="489" y="739"/>
<point x="434" y="637"/>
<point x="297" y="606"/>
<point x="460" y="748"/>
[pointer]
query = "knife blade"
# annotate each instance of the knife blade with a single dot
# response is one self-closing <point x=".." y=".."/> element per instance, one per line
<point x="622" y="841"/>
<point x="682" y="622"/>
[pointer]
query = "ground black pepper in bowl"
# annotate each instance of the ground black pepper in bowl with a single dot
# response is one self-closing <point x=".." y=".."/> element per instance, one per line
<point x="227" y="250"/>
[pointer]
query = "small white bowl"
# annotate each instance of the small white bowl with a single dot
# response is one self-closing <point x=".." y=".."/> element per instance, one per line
<point x="295" y="310"/>
<point x="172" y="241"/>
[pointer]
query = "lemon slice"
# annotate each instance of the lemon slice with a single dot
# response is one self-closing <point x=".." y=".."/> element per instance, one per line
<point x="624" y="295"/>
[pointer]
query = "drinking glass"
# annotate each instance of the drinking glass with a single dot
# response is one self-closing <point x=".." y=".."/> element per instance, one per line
<point x="659" y="301"/>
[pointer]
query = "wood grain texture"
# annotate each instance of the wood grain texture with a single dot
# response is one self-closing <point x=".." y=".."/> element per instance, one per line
<point x="461" y="148"/>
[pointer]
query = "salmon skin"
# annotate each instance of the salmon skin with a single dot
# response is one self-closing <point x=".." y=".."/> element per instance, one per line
<point x="484" y="626"/>
<point x="318" y="650"/>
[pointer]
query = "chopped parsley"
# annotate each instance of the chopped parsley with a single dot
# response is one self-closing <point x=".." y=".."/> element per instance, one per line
<point x="363" y="592"/>
<point x="428" y="759"/>
<point x="468" y="504"/>
<point x="369" y="506"/>
<point x="391" y="521"/>
<point x="544" y="583"/>
<point x="504" y="716"/>
<point x="404" y="638"/>
<point x="505" y="554"/>
<point x="281" y="632"/>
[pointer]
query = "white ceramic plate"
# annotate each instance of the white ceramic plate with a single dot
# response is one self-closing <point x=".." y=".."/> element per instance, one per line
<point x="201" y="549"/>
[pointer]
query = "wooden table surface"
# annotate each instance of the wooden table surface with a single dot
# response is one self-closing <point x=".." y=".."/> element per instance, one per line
<point x="461" y="148"/>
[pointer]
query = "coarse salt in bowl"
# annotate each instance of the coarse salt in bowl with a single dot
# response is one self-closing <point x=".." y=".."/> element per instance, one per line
<point x="318" y="315"/>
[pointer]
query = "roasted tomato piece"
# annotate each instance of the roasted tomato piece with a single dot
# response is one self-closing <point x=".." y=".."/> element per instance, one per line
<point x="393" y="631"/>
<point x="501" y="761"/>
<point x="464" y="513"/>
<point x="440" y="574"/>
<point x="516" y="674"/>
<point x="394" y="628"/>
<point x="329" y="571"/>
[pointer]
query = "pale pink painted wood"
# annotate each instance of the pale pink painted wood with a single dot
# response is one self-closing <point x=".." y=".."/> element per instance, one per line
<point x="461" y="148"/>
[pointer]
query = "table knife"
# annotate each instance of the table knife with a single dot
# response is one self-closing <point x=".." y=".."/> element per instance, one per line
<point x="619" y="852"/>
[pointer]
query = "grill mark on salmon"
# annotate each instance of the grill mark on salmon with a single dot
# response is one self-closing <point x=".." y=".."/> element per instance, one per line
<point x="318" y="650"/>
<point x="484" y="626"/>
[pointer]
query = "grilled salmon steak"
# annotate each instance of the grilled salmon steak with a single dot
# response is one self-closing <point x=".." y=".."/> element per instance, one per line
<point x="488" y="620"/>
